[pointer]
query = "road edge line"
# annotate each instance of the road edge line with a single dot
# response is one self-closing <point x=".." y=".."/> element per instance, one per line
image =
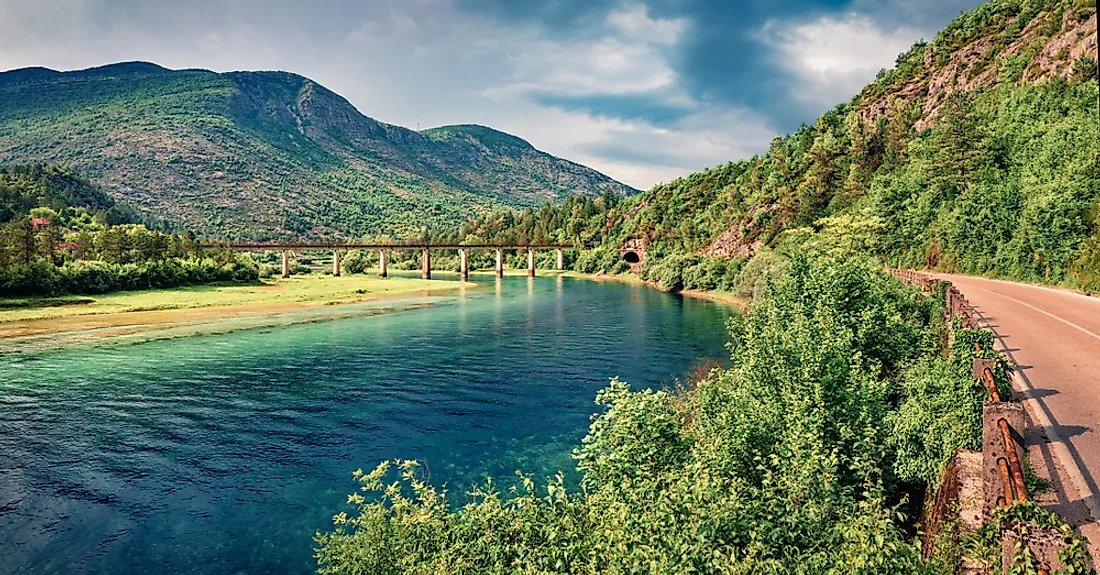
<point x="1038" y="413"/>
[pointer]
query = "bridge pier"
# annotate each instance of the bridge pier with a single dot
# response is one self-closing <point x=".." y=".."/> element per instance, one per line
<point x="286" y="264"/>
<point x="426" y="261"/>
<point x="463" y="268"/>
<point x="561" y="259"/>
<point x="530" y="262"/>
<point x="336" y="263"/>
<point x="500" y="263"/>
<point x="382" y="263"/>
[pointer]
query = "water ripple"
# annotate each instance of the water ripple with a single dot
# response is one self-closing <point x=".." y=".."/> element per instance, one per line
<point x="224" y="452"/>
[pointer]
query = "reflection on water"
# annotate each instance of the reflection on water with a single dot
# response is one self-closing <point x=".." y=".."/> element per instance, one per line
<point x="225" y="452"/>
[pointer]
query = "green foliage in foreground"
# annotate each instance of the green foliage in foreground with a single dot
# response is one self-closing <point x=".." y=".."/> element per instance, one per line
<point x="798" y="459"/>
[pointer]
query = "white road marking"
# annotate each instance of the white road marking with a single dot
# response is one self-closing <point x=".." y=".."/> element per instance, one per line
<point x="1039" y="411"/>
<point x="1065" y="321"/>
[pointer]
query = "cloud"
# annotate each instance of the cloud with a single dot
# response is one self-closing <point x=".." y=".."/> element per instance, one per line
<point x="833" y="58"/>
<point x="644" y="90"/>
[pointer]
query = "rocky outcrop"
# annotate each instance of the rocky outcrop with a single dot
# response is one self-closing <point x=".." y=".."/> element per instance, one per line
<point x="1047" y="47"/>
<point x="733" y="242"/>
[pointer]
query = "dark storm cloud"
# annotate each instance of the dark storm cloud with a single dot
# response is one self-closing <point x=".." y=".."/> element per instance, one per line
<point x="722" y="57"/>
<point x="652" y="109"/>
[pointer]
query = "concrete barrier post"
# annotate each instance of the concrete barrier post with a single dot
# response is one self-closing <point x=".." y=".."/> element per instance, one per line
<point x="1043" y="543"/>
<point x="382" y="272"/>
<point x="426" y="261"/>
<point x="286" y="264"/>
<point x="995" y="487"/>
<point x="463" y="267"/>
<point x="336" y="263"/>
<point x="530" y="262"/>
<point x="978" y="368"/>
<point x="561" y="259"/>
<point x="500" y="263"/>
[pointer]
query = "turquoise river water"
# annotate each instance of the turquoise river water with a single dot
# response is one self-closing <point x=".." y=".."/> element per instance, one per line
<point x="225" y="451"/>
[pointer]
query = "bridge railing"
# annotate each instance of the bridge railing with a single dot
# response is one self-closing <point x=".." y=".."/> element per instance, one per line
<point x="384" y="247"/>
<point x="280" y="246"/>
<point x="1002" y="477"/>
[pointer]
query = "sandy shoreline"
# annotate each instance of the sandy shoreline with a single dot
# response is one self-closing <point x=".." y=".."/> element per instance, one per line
<point x="728" y="299"/>
<point x="107" y="324"/>
<point x="113" y="324"/>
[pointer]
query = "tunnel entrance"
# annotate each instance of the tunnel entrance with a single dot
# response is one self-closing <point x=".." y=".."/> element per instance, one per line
<point x="632" y="258"/>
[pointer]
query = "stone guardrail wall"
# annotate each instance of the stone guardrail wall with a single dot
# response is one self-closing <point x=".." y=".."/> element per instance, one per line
<point x="974" y="484"/>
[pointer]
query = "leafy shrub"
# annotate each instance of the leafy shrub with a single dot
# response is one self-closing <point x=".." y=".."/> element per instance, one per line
<point x="355" y="262"/>
<point x="766" y="266"/>
<point x="782" y="464"/>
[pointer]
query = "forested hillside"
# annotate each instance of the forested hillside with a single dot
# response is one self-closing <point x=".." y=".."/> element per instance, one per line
<point x="268" y="154"/>
<point x="979" y="153"/>
<point x="847" y="394"/>
<point x="60" y="234"/>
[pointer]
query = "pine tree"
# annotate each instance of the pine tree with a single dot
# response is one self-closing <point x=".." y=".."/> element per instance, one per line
<point x="959" y="137"/>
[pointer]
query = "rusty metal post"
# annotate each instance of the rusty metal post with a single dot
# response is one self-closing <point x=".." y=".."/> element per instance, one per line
<point x="982" y="372"/>
<point x="1006" y="484"/>
<point x="1014" y="466"/>
<point x="994" y="486"/>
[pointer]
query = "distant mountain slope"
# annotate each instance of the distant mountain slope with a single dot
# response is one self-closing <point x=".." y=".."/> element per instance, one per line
<point x="268" y="154"/>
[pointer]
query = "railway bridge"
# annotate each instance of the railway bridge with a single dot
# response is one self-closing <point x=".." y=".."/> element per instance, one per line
<point x="384" y="248"/>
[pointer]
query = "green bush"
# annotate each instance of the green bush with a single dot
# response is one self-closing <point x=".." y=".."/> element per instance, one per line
<point x="355" y="262"/>
<point x="792" y="461"/>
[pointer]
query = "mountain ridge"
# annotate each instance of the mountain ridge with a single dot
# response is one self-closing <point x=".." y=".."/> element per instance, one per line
<point x="269" y="154"/>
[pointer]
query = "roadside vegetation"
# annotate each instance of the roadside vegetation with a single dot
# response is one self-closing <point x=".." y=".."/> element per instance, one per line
<point x="809" y="455"/>
<point x="1000" y="178"/>
<point x="844" y="404"/>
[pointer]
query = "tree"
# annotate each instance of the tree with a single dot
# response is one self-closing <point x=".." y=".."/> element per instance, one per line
<point x="958" y="138"/>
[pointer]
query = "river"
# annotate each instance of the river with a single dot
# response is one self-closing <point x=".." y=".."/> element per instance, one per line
<point x="226" y="452"/>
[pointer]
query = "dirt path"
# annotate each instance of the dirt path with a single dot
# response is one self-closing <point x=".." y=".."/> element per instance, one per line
<point x="1054" y="335"/>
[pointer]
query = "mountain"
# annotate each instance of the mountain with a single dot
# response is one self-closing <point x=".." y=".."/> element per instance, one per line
<point x="978" y="153"/>
<point x="268" y="154"/>
<point x="24" y="188"/>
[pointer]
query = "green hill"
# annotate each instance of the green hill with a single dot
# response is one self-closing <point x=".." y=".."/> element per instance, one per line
<point x="268" y="154"/>
<point x="978" y="153"/>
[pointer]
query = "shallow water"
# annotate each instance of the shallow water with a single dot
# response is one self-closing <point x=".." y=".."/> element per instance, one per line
<point x="226" y="452"/>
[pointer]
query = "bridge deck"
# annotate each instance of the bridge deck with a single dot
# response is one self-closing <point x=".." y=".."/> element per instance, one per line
<point x="280" y="246"/>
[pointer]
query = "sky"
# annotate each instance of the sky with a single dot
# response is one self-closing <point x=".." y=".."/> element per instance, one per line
<point x="642" y="90"/>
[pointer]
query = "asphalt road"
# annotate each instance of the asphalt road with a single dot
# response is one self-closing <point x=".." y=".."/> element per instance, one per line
<point x="1054" y="335"/>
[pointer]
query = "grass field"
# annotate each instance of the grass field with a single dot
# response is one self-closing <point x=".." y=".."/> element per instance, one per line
<point x="279" y="293"/>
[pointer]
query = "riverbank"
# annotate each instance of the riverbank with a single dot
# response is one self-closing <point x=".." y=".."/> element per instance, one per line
<point x="128" y="312"/>
<point x="728" y="298"/>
